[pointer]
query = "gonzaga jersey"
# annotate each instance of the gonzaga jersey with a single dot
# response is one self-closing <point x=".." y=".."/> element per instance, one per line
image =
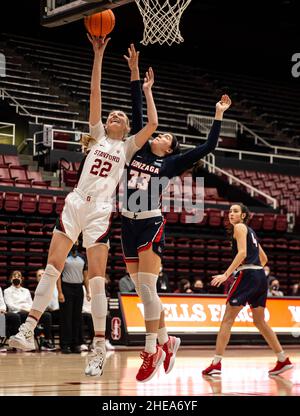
<point x="148" y="174"/>
<point x="103" y="166"/>
<point x="142" y="171"/>
<point x="252" y="248"/>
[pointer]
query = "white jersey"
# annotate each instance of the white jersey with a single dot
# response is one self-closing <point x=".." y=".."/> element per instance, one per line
<point x="104" y="164"/>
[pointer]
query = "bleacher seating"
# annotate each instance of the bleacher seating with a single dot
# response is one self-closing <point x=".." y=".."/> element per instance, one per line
<point x="284" y="188"/>
<point x="15" y="175"/>
<point x="177" y="93"/>
<point x="274" y="104"/>
<point x="25" y="242"/>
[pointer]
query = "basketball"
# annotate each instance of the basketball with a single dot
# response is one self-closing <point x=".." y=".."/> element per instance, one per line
<point x="100" y="24"/>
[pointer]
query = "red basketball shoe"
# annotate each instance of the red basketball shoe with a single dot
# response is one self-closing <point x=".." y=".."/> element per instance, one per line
<point x="170" y="348"/>
<point x="280" y="367"/>
<point x="151" y="363"/>
<point x="213" y="369"/>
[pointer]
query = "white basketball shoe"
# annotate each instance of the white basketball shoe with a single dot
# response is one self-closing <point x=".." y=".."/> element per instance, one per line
<point x="23" y="340"/>
<point x="96" y="360"/>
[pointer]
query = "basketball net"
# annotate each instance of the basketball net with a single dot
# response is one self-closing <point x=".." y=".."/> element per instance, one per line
<point x="161" y="20"/>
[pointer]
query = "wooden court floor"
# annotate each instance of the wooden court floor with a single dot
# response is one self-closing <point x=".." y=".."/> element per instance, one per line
<point x="244" y="373"/>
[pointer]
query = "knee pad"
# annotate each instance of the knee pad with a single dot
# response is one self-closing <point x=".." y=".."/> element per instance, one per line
<point x="149" y="296"/>
<point x="45" y="288"/>
<point x="98" y="303"/>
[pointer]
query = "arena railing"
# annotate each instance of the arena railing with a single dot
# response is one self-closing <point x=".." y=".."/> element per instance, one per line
<point x="4" y="94"/>
<point x="9" y="136"/>
<point x="203" y="123"/>
<point x="231" y="179"/>
<point x="46" y="138"/>
<point x="183" y="138"/>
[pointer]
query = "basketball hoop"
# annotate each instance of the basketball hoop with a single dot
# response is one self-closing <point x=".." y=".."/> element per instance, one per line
<point x="161" y="20"/>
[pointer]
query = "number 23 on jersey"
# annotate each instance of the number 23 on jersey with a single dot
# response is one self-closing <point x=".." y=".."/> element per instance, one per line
<point x="138" y="180"/>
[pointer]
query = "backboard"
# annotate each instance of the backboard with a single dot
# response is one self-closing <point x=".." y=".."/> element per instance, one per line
<point x="60" y="12"/>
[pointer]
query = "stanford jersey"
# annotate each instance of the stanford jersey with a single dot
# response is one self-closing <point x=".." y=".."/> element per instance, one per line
<point x="103" y="166"/>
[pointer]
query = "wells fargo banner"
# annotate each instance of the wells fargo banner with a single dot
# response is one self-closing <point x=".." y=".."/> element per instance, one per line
<point x="201" y="313"/>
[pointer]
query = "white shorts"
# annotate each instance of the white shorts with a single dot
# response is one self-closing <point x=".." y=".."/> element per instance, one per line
<point x="87" y="215"/>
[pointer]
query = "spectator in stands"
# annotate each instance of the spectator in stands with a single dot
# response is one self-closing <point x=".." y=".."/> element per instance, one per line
<point x="12" y="321"/>
<point x="269" y="276"/>
<point x="70" y="296"/>
<point x="274" y="288"/>
<point x="126" y="284"/>
<point x="162" y="285"/>
<point x="18" y="301"/>
<point x="198" y="286"/>
<point x="295" y="289"/>
<point x="184" y="286"/>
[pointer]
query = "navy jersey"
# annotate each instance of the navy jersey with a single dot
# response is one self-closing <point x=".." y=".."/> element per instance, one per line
<point x="252" y="248"/>
<point x="146" y="168"/>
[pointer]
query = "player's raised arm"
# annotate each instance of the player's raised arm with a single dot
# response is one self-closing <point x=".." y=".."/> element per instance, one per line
<point x="136" y="90"/>
<point x="133" y="63"/>
<point x="143" y="135"/>
<point x="186" y="160"/>
<point x="99" y="45"/>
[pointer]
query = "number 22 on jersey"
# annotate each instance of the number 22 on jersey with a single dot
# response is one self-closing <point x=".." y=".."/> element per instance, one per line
<point x="101" y="169"/>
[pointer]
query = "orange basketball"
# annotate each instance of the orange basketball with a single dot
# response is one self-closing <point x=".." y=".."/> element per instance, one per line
<point x="100" y="24"/>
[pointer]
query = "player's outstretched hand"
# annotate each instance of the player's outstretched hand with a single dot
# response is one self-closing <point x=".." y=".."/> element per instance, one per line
<point x="99" y="43"/>
<point x="148" y="80"/>
<point x="132" y="58"/>
<point x="224" y="103"/>
<point x="218" y="279"/>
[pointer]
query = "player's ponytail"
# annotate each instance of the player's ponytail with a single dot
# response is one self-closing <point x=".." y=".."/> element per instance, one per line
<point x="87" y="141"/>
<point x="245" y="210"/>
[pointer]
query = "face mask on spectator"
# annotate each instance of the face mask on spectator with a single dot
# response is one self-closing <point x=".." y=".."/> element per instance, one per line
<point x="16" y="281"/>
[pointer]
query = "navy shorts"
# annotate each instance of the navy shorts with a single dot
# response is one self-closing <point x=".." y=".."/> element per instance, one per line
<point x="139" y="235"/>
<point x="250" y="286"/>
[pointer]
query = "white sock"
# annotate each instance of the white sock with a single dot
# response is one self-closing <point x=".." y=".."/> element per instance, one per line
<point x="281" y="356"/>
<point x="217" y="359"/>
<point x="31" y="323"/>
<point x="151" y="339"/>
<point x="162" y="336"/>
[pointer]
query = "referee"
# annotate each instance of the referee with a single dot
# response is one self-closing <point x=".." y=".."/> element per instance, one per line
<point x="70" y="296"/>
